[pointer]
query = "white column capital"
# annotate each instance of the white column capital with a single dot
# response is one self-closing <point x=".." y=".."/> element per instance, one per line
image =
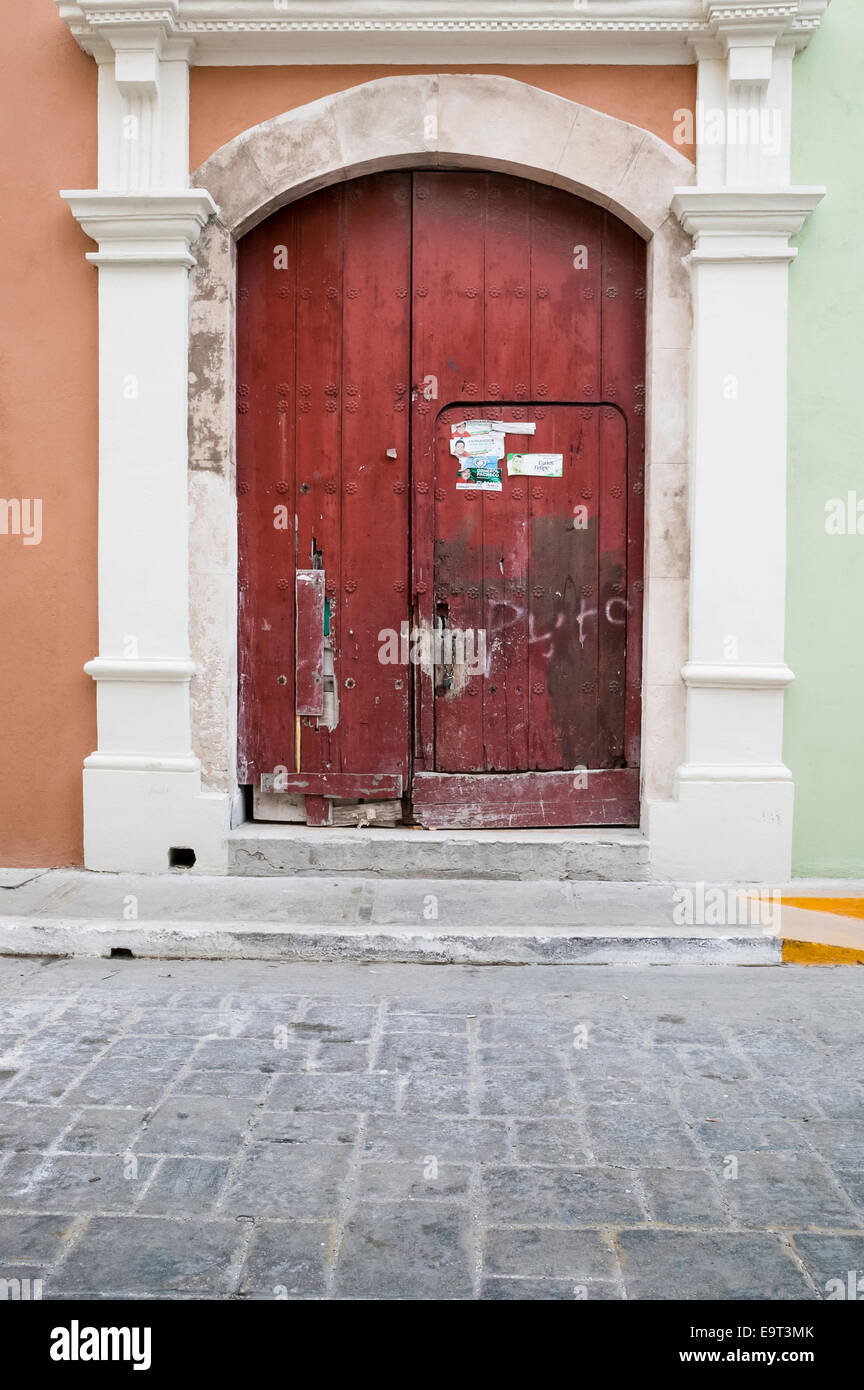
<point x="729" y="224"/>
<point x="142" y="228"/>
<point x="748" y="35"/>
<point x="107" y="27"/>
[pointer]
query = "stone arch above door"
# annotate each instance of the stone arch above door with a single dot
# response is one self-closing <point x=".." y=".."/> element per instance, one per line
<point x="484" y="121"/>
<point x="465" y="121"/>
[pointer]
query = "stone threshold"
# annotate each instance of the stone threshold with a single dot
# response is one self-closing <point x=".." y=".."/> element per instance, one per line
<point x="259" y="849"/>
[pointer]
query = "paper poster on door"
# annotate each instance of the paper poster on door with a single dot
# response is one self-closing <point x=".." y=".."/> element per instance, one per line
<point x="477" y="476"/>
<point x="477" y="446"/>
<point x="535" y="465"/>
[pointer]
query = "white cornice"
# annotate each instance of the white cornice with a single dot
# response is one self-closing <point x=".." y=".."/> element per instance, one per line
<point x="141" y="228"/>
<point x="242" y="31"/>
<point x="734" y="675"/>
<point x="732" y="211"/>
<point x="103" y="668"/>
<point x="742" y="224"/>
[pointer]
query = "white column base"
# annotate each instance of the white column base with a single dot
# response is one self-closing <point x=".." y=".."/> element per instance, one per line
<point x="133" y="819"/>
<point x="721" y="830"/>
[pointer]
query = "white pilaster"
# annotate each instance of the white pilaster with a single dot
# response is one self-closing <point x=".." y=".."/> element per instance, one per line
<point x="733" y="814"/>
<point x="142" y="786"/>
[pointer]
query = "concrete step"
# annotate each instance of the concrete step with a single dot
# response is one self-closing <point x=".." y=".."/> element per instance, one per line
<point x="167" y="940"/>
<point x="318" y="918"/>
<point x="262" y="850"/>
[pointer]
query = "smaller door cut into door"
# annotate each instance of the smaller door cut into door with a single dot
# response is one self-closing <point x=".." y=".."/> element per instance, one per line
<point x="418" y="640"/>
<point x="528" y="691"/>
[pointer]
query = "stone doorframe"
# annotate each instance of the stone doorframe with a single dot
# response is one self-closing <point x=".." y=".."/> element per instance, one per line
<point x="717" y="800"/>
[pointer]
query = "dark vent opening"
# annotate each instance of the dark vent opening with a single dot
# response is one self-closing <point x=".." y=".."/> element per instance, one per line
<point x="179" y="858"/>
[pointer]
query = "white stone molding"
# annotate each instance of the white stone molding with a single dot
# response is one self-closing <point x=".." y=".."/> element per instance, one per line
<point x="102" y="668"/>
<point x="735" y="675"/>
<point x="141" y="229"/>
<point x="399" y="31"/>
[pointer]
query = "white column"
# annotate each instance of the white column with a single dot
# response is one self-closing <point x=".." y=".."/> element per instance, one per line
<point x="142" y="786"/>
<point x="732" y="817"/>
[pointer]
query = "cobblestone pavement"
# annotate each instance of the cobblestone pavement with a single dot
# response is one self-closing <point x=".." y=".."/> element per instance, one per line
<point x="247" y="1130"/>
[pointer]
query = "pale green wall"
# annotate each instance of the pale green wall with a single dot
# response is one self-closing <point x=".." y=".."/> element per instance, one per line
<point x="824" y="732"/>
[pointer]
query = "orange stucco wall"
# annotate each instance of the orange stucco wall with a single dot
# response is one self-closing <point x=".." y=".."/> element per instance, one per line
<point x="48" y="376"/>
<point x="48" y="437"/>
<point x="225" y="101"/>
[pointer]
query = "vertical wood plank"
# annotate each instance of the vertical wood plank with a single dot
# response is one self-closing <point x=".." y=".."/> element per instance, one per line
<point x="505" y="517"/>
<point x="449" y="211"/>
<point x="318" y="498"/>
<point x="266" y="304"/>
<point x="374" y="541"/>
<point x="624" y="300"/>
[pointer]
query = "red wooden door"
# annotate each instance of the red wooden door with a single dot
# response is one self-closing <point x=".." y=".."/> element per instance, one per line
<point x="323" y="484"/>
<point x="529" y="307"/>
<point x="371" y="318"/>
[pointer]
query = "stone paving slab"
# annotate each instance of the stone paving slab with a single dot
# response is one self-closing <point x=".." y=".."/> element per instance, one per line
<point x="390" y="1132"/>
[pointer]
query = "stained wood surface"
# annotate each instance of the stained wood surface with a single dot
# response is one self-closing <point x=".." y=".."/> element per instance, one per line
<point x="519" y="800"/>
<point x="372" y="316"/>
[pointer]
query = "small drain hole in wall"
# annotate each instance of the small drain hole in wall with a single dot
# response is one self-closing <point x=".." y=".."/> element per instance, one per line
<point x="122" y="953"/>
<point x="181" y="858"/>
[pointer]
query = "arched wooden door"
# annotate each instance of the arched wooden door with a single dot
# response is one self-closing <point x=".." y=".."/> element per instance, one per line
<point x="469" y="641"/>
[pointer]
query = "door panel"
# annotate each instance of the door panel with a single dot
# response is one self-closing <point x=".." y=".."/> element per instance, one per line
<point x="529" y="304"/>
<point x="548" y="595"/>
<point x="323" y="432"/>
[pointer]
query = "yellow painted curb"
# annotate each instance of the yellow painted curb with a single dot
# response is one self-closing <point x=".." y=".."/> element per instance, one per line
<point x="822" y="931"/>
<point x="816" y="953"/>
<point x="841" y="907"/>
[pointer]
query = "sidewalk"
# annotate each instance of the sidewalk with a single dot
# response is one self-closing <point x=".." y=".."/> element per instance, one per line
<point x="186" y="916"/>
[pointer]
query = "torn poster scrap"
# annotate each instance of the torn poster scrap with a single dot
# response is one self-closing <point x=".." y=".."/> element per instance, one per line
<point x="498" y="426"/>
<point x="477" y="445"/>
<point x="473" y="427"/>
<point x="535" y="465"/>
<point x="514" y="426"/>
<point x="478" y="476"/>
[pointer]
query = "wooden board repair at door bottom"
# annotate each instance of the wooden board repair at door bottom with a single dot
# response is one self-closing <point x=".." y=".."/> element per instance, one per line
<point x="521" y="800"/>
